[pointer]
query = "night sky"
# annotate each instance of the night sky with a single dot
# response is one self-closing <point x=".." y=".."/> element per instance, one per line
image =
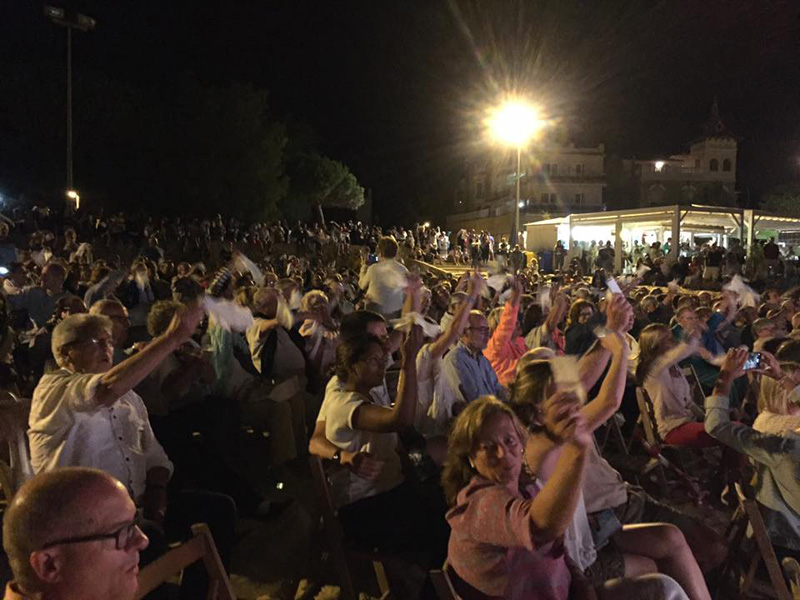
<point x="395" y="89"/>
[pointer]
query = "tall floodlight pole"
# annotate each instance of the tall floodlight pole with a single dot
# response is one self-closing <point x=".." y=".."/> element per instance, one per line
<point x="515" y="123"/>
<point x="515" y="233"/>
<point x="70" y="20"/>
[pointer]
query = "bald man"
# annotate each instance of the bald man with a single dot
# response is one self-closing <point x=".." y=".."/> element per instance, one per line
<point x="71" y="534"/>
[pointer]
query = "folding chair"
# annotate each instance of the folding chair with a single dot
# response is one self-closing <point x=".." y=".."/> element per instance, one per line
<point x="200" y="547"/>
<point x="654" y="444"/>
<point x="763" y="551"/>
<point x="612" y="426"/>
<point x="335" y="538"/>
<point x="698" y="395"/>
<point x="443" y="583"/>
<point x="652" y="441"/>
<point x="13" y="426"/>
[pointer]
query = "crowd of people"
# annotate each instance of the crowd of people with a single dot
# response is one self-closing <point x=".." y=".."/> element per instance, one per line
<point x="455" y="414"/>
<point x="701" y="266"/>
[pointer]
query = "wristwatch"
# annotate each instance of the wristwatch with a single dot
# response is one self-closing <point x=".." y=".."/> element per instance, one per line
<point x="337" y="456"/>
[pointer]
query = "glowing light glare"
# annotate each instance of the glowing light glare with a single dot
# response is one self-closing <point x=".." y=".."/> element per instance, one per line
<point x="426" y="224"/>
<point x="659" y="165"/>
<point x="515" y="123"/>
<point x="521" y="204"/>
<point x="73" y="195"/>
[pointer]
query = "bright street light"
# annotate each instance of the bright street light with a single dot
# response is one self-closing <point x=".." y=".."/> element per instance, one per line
<point x="73" y="195"/>
<point x="515" y="123"/>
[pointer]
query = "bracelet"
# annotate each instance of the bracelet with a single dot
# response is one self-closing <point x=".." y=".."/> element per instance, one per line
<point x="337" y="456"/>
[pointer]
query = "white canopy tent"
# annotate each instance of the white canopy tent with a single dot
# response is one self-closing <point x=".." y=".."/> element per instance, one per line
<point x="657" y="223"/>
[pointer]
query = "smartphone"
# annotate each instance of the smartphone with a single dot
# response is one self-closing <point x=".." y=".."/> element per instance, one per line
<point x="753" y="361"/>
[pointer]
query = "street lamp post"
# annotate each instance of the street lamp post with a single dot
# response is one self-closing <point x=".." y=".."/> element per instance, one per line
<point x="515" y="123"/>
<point x="515" y="233"/>
<point x="70" y="20"/>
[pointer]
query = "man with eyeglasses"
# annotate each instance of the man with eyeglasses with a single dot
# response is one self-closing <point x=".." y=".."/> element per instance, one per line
<point x="72" y="534"/>
<point x="467" y="370"/>
<point x="87" y="414"/>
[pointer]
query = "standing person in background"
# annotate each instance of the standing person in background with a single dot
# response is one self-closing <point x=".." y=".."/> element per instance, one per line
<point x="384" y="281"/>
<point x="558" y="256"/>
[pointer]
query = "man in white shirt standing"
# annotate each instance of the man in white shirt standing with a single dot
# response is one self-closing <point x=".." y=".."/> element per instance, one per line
<point x="385" y="280"/>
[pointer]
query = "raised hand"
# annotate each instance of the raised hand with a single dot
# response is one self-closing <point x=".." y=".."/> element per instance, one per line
<point x="559" y="415"/>
<point x="185" y="321"/>
<point x="618" y="311"/>
<point x="413" y="342"/>
<point x="733" y="365"/>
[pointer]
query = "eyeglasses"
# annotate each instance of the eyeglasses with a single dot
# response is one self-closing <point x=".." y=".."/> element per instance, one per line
<point x="92" y="342"/>
<point x="375" y="360"/>
<point x="484" y="330"/>
<point x="121" y="537"/>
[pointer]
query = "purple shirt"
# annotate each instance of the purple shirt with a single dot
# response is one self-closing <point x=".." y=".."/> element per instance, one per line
<point x="494" y="546"/>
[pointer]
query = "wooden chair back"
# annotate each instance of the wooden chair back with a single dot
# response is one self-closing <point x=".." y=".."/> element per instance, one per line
<point x="15" y="466"/>
<point x="698" y="395"/>
<point x="648" y="414"/>
<point x="334" y="535"/>
<point x="443" y="584"/>
<point x="764" y="550"/>
<point x="200" y="547"/>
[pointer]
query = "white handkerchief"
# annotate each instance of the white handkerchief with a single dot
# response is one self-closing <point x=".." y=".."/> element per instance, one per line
<point x="229" y="315"/>
<point x="245" y="264"/>
<point x="404" y="323"/>
<point x="566" y="374"/>
<point x="497" y="282"/>
<point x="545" y="301"/>
<point x="745" y="295"/>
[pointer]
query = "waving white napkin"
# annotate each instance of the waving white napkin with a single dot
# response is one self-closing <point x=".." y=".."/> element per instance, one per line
<point x="229" y="315"/>
<point x="404" y="323"/>
<point x="245" y="264"/>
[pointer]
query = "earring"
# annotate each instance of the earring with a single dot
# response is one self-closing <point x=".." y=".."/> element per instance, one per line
<point x="471" y="463"/>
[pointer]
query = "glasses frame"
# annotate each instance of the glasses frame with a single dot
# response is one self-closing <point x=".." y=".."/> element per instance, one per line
<point x="121" y="541"/>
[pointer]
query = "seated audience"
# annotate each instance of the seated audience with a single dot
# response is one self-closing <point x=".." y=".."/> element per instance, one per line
<point x="777" y="458"/>
<point x="508" y="527"/>
<point x="377" y="507"/>
<point x="468" y="371"/>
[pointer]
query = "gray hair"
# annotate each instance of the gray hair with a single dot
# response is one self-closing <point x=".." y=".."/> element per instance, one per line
<point x="76" y="328"/>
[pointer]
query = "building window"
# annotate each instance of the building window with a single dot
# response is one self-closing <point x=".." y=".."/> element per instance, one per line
<point x="548" y="198"/>
<point x="656" y="194"/>
<point x="579" y="169"/>
<point x="553" y="169"/>
<point x="480" y="190"/>
<point x="696" y="163"/>
<point x="579" y="198"/>
<point x="726" y="164"/>
<point x="713" y="165"/>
